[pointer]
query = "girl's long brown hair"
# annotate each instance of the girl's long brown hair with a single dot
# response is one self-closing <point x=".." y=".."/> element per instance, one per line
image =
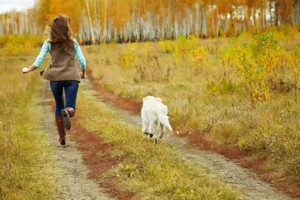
<point x="60" y="31"/>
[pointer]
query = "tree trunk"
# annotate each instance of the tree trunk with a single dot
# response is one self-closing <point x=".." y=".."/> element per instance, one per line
<point x="276" y="18"/>
<point x="97" y="22"/>
<point x="26" y="25"/>
<point x="90" y="20"/>
<point x="133" y="21"/>
<point x="105" y="21"/>
<point x="296" y="13"/>
<point x="21" y="23"/>
<point x="1" y="28"/>
<point x="197" y="20"/>
<point x="203" y="21"/>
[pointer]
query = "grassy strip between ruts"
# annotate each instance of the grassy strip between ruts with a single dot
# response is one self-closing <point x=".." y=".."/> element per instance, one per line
<point x="151" y="171"/>
<point x="26" y="171"/>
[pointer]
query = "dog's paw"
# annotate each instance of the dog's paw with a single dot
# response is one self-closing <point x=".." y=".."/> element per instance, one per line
<point x="150" y="135"/>
<point x="155" y="140"/>
<point x="146" y="133"/>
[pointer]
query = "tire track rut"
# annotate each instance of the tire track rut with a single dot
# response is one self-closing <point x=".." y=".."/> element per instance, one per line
<point x="74" y="180"/>
<point x="227" y="171"/>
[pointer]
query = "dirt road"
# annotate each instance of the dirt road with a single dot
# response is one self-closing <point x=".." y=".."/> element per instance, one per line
<point x="75" y="183"/>
<point x="225" y="170"/>
<point x="73" y="174"/>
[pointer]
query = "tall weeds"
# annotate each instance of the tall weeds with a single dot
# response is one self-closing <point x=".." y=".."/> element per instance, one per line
<point x="26" y="171"/>
<point x="238" y="92"/>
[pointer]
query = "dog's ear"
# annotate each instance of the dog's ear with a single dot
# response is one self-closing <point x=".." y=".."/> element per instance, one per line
<point x="145" y="98"/>
<point x="158" y="99"/>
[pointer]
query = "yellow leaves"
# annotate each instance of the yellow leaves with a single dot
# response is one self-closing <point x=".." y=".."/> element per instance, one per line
<point x="183" y="47"/>
<point x="167" y="46"/>
<point x="295" y="70"/>
<point x="19" y="45"/>
<point x="147" y="52"/>
<point x="200" y="58"/>
<point x="250" y="68"/>
<point x="149" y="47"/>
<point x="260" y="91"/>
<point x="43" y="12"/>
<point x="286" y="59"/>
<point x="134" y="46"/>
<point x="95" y="49"/>
<point x="127" y="59"/>
<point x="230" y="58"/>
<point x="71" y="8"/>
<point x="295" y="59"/>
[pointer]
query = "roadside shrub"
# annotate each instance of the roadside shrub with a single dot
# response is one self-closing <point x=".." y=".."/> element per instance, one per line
<point x="20" y="44"/>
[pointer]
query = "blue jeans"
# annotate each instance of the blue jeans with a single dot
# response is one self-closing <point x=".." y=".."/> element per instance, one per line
<point x="71" y="89"/>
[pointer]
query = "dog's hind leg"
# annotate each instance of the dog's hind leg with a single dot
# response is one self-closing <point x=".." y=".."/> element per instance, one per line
<point x="155" y="140"/>
<point x="151" y="128"/>
<point x="163" y="129"/>
<point x="145" y="125"/>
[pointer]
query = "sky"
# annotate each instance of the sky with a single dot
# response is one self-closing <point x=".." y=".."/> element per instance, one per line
<point x="8" y="5"/>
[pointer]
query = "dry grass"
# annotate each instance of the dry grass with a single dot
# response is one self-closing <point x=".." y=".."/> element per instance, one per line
<point x="19" y="45"/>
<point x="151" y="171"/>
<point x="26" y="168"/>
<point x="203" y="101"/>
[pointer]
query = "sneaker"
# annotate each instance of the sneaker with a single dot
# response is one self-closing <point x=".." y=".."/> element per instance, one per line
<point x="66" y="119"/>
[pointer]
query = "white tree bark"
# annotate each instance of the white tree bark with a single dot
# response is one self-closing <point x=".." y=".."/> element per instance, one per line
<point x="26" y="25"/>
<point x="1" y="28"/>
<point x="97" y="22"/>
<point x="90" y="20"/>
<point x="197" y="20"/>
<point x="296" y="13"/>
<point x="133" y="20"/>
<point x="105" y="21"/>
<point x="21" y="22"/>
<point x="203" y="21"/>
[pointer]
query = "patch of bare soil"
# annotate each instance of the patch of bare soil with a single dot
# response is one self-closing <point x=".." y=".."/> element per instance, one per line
<point x="96" y="157"/>
<point x="230" y="162"/>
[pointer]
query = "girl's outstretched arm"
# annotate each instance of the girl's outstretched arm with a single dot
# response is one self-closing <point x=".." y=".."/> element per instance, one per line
<point x="39" y="60"/>
<point x="80" y="57"/>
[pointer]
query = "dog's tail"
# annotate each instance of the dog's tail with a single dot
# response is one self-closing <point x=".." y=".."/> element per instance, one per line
<point x="164" y="120"/>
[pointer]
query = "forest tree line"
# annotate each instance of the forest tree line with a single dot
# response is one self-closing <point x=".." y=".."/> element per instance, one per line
<point x="96" y="21"/>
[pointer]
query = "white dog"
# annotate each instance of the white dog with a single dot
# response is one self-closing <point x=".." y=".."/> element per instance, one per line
<point x="155" y="118"/>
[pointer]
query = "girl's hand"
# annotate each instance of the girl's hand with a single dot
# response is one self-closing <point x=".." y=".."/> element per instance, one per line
<point x="25" y="70"/>
<point x="82" y="75"/>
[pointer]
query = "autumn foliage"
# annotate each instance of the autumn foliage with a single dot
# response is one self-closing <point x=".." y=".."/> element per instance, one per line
<point x="95" y="21"/>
